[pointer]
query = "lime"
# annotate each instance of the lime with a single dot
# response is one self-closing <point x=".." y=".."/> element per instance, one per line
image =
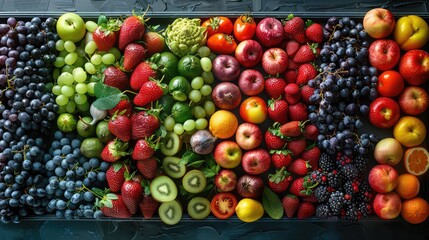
<point x="103" y="133"/>
<point x="66" y="122"/>
<point x="167" y="65"/>
<point x="181" y="112"/>
<point x="84" y="129"/>
<point x="91" y="147"/>
<point x="179" y="87"/>
<point x="189" y="66"/>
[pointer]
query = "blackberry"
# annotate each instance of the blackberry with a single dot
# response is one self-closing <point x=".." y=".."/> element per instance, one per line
<point x="342" y="160"/>
<point x="350" y="171"/>
<point x="322" y="193"/>
<point x="365" y="192"/>
<point x="336" y="202"/>
<point x="361" y="162"/>
<point x="326" y="162"/>
<point x="352" y="212"/>
<point x="364" y="209"/>
<point x="335" y="180"/>
<point x="351" y="187"/>
<point x="318" y="176"/>
<point x="323" y="211"/>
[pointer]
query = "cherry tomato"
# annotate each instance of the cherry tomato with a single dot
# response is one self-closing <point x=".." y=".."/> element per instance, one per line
<point x="244" y="28"/>
<point x="390" y="83"/>
<point x="218" y="25"/>
<point x="254" y="110"/>
<point x="221" y="43"/>
<point x="223" y="205"/>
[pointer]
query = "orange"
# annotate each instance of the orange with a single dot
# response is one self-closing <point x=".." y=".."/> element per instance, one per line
<point x="416" y="160"/>
<point x="223" y="124"/>
<point x="415" y="210"/>
<point x="408" y="186"/>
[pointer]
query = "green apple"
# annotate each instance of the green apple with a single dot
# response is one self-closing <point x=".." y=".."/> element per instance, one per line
<point x="71" y="26"/>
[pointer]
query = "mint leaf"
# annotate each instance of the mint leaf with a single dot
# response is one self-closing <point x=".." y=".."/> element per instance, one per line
<point x="188" y="157"/>
<point x="272" y="204"/>
<point x="107" y="97"/>
<point x="101" y="90"/>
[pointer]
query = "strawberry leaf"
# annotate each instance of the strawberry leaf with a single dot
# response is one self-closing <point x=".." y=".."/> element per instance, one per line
<point x="107" y="203"/>
<point x="98" y="191"/>
<point x="102" y="19"/>
<point x="107" y="97"/>
<point x="308" y="23"/>
<point x="111" y="196"/>
<point x="272" y="204"/>
<point x="117" y="166"/>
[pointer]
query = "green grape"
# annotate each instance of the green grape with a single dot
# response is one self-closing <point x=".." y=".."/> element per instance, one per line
<point x="209" y="107"/>
<point x="80" y="98"/>
<point x="81" y="88"/>
<point x="83" y="107"/>
<point x="69" y="46"/>
<point x="56" y="73"/>
<point x="59" y="62"/>
<point x="189" y="125"/>
<point x="189" y="133"/>
<point x="115" y="52"/>
<point x="91" y="26"/>
<point x="90" y="68"/>
<point x="169" y="123"/>
<point x="49" y="86"/>
<point x="56" y="90"/>
<point x="79" y="75"/>
<point x="71" y="107"/>
<point x="80" y="52"/>
<point x="178" y="128"/>
<point x="108" y="59"/>
<point x="208" y="77"/>
<point x="61" y="100"/>
<point x="206" y="64"/>
<point x="206" y="90"/>
<point x="67" y="91"/>
<point x="62" y="109"/>
<point x="90" y="47"/>
<point x="197" y="82"/>
<point x="63" y="54"/>
<point x="201" y="123"/>
<point x="90" y="90"/>
<point x="59" y="45"/>
<point x="67" y="78"/>
<point x="68" y="68"/>
<point x="79" y="62"/>
<point x="204" y="51"/>
<point x="71" y="58"/>
<point x="198" y="111"/>
<point x="96" y="59"/>
<point x="212" y="56"/>
<point x="195" y="95"/>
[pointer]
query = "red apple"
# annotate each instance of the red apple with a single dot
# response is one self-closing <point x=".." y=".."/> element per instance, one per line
<point x="248" y="136"/>
<point x="226" y="68"/>
<point x="414" y="67"/>
<point x="384" y="54"/>
<point x="254" y="110"/>
<point x="256" y="161"/>
<point x="387" y="205"/>
<point x="248" y="53"/>
<point x="379" y="22"/>
<point x="388" y="151"/>
<point x="275" y="61"/>
<point x="249" y="186"/>
<point x="251" y="82"/>
<point x="269" y="32"/>
<point x="414" y="100"/>
<point x="226" y="96"/>
<point x="225" y="180"/>
<point x="383" y="178"/>
<point x="227" y="154"/>
<point x="384" y="112"/>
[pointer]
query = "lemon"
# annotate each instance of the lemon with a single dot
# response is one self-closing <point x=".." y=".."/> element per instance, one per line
<point x="249" y="210"/>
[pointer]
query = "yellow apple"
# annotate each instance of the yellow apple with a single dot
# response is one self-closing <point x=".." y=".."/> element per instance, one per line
<point x="411" y="32"/>
<point x="409" y="131"/>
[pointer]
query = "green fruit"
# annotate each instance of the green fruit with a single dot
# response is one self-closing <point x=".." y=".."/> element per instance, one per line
<point x="181" y="112"/>
<point x="167" y="65"/>
<point x="194" y="181"/>
<point x="173" y="168"/>
<point x="84" y="129"/>
<point x="91" y="147"/>
<point x="163" y="189"/>
<point x="199" y="208"/>
<point x="103" y="133"/>
<point x="189" y="66"/>
<point x="66" y="122"/>
<point x="170" y="212"/>
<point x="170" y="144"/>
<point x="167" y="102"/>
<point x="179" y="87"/>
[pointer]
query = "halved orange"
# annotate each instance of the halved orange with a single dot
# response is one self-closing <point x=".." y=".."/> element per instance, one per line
<point x="416" y="160"/>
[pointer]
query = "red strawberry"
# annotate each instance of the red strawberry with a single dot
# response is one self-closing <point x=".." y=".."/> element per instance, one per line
<point x="292" y="47"/>
<point x="292" y="93"/>
<point x="120" y="126"/>
<point x="141" y="74"/>
<point x="291" y="129"/>
<point x="306" y="93"/>
<point x="148" y="206"/>
<point x="124" y="107"/>
<point x="274" y="87"/>
<point x="132" y="30"/>
<point x="115" y="176"/>
<point x="312" y="155"/>
<point x="278" y="110"/>
<point x="306" y="53"/>
<point x="295" y="28"/>
<point x="310" y="132"/>
<point x="105" y="35"/>
<point x="298" y="112"/>
<point x="115" y="77"/>
<point x="114" y="150"/>
<point x="305" y="72"/>
<point x="293" y="65"/>
<point x="279" y="182"/>
<point x="301" y="187"/>
<point x="306" y="210"/>
<point x="144" y="149"/>
<point x="310" y="198"/>
<point x="133" y="55"/>
<point x="113" y="205"/>
<point x="297" y="146"/>
<point x="144" y="124"/>
<point x="290" y="76"/>
<point x="148" y="167"/>
<point x="299" y="167"/>
<point x="290" y="205"/>
<point x="314" y="32"/>
<point x="155" y="42"/>
<point x="131" y="192"/>
<point x="273" y="142"/>
<point x="281" y="158"/>
<point x="150" y="91"/>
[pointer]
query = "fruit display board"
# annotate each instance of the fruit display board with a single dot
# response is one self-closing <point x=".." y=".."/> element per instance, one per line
<point x="226" y="118"/>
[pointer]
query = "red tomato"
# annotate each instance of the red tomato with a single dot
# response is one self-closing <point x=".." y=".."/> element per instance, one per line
<point x="223" y="205"/>
<point x="218" y="25"/>
<point x="244" y="28"/>
<point x="390" y="83"/>
<point x="221" y="43"/>
<point x="253" y="110"/>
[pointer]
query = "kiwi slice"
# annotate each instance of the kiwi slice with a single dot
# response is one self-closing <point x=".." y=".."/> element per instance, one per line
<point x="163" y="189"/>
<point x="170" y="212"/>
<point x="199" y="208"/>
<point x="170" y="144"/>
<point x="173" y="168"/>
<point x="194" y="181"/>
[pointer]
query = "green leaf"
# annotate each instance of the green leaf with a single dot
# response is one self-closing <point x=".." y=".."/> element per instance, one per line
<point x="107" y="97"/>
<point x="98" y="191"/>
<point x="196" y="164"/>
<point x="111" y="196"/>
<point x="102" y="90"/>
<point x="108" y="203"/>
<point x="272" y="204"/>
<point x="189" y="156"/>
